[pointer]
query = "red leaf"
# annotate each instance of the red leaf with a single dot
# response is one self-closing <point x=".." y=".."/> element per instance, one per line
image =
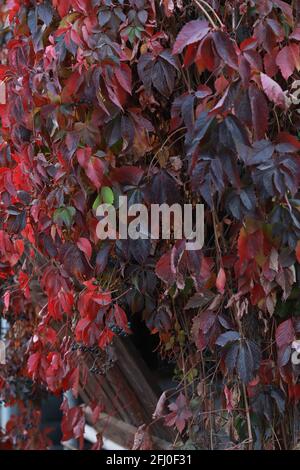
<point x="127" y="175"/>
<point x="168" y="7"/>
<point x="85" y="245"/>
<point x="95" y="171"/>
<point x="165" y="269"/>
<point x="120" y="318"/>
<point x="33" y="364"/>
<point x="271" y="68"/>
<point x="62" y="7"/>
<point x="159" y="410"/>
<point x="180" y="413"/>
<point x="244" y="70"/>
<point x="295" y="34"/>
<point x="273" y="90"/>
<point x="93" y="166"/>
<point x="285" y="333"/>
<point x="229" y="401"/>
<point x="292" y="142"/>
<point x="72" y="85"/>
<point x="192" y="32"/>
<point x="285" y="62"/>
<point x="225" y="49"/>
<point x="298" y="251"/>
<point x="6" y="300"/>
<point x="123" y="74"/>
<point x="259" y="111"/>
<point x="221" y="281"/>
<point x="248" y="44"/>
<point x="295" y="53"/>
<point x="105" y="338"/>
<point x="73" y="423"/>
<point x="205" y="57"/>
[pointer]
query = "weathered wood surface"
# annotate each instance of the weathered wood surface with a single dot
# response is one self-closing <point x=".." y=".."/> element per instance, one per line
<point x="122" y="433"/>
<point x="128" y="391"/>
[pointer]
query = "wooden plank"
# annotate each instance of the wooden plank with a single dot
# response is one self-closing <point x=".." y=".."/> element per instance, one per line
<point x="128" y="390"/>
<point x="143" y="383"/>
<point x="122" y="433"/>
<point x="100" y="388"/>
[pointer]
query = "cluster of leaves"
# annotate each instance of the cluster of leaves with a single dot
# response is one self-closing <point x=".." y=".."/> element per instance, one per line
<point x="164" y="102"/>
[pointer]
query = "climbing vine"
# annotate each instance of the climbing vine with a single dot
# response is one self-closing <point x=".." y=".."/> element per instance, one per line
<point x="164" y="102"/>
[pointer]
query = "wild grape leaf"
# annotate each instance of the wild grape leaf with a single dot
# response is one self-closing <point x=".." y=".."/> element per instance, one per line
<point x="287" y="143"/>
<point x="248" y="361"/>
<point x="142" y="437"/>
<point x="205" y="329"/>
<point x="64" y="216"/>
<point x="276" y="176"/>
<point x="140" y="249"/>
<point x="165" y="269"/>
<point x="168" y="7"/>
<point x="163" y="189"/>
<point x="45" y="12"/>
<point x="180" y="413"/>
<point x="85" y="245"/>
<point x="244" y="71"/>
<point x="229" y="336"/>
<point x="102" y="258"/>
<point x="124" y="77"/>
<point x="118" y="316"/>
<point x="242" y="355"/>
<point x="295" y="34"/>
<point x="199" y="131"/>
<point x="285" y="333"/>
<point x="74" y="261"/>
<point x="208" y="177"/>
<point x="93" y="166"/>
<point x="260" y="152"/>
<point x="259" y="112"/>
<point x="158" y="72"/>
<point x="285" y="62"/>
<point x="33" y="364"/>
<point x="127" y="175"/>
<point x="206" y="57"/>
<point x="221" y="281"/>
<point x="192" y="32"/>
<point x="273" y="90"/>
<point x="160" y="320"/>
<point x="62" y="7"/>
<point x="262" y="403"/>
<point x="241" y="202"/>
<point x="232" y="132"/>
<point x="168" y="267"/>
<point x="225" y="48"/>
<point x="199" y="299"/>
<point x="286" y="9"/>
<point x="73" y="423"/>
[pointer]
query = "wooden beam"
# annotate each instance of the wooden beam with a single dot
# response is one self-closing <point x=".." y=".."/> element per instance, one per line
<point x="121" y="433"/>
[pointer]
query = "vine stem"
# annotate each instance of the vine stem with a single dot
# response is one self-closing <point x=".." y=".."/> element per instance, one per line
<point x="248" y="417"/>
<point x="200" y="4"/>
<point x="215" y="224"/>
<point x="163" y="146"/>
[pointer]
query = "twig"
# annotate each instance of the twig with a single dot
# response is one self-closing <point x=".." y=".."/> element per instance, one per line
<point x="163" y="146"/>
<point x="248" y="417"/>
<point x="200" y="4"/>
<point x="206" y="14"/>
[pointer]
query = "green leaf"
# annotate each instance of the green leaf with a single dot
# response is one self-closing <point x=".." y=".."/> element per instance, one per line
<point x="107" y="195"/>
<point x="64" y="216"/>
<point x="97" y="202"/>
